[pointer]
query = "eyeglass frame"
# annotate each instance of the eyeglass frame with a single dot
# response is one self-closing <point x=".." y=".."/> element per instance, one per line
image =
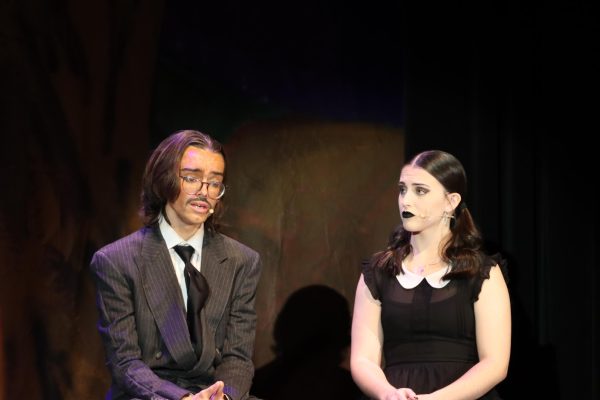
<point x="193" y="179"/>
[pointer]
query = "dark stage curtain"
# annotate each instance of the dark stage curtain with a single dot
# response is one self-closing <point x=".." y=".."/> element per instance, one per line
<point x="512" y="93"/>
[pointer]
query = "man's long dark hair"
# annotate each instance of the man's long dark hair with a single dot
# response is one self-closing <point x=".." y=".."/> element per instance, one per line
<point x="463" y="248"/>
<point x="161" y="182"/>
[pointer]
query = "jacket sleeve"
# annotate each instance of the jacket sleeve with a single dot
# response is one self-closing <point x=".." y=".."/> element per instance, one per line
<point x="117" y="328"/>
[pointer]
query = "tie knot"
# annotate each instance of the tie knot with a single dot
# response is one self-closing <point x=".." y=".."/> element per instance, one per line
<point x="185" y="252"/>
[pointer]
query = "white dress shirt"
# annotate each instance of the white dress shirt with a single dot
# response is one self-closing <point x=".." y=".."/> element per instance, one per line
<point x="173" y="239"/>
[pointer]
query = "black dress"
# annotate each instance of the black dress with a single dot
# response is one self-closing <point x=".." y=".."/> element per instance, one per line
<point x="429" y="332"/>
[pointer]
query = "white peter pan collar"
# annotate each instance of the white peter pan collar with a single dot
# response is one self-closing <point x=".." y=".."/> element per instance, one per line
<point x="410" y="280"/>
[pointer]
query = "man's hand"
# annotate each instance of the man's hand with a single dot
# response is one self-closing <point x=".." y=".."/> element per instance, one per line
<point x="213" y="392"/>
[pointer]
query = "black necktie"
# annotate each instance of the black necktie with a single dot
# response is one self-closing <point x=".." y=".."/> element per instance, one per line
<point x="197" y="289"/>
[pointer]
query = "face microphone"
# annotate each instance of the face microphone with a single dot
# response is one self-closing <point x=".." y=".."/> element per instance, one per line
<point x="211" y="210"/>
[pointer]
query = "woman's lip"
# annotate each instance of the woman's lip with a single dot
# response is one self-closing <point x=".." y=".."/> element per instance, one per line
<point x="407" y="214"/>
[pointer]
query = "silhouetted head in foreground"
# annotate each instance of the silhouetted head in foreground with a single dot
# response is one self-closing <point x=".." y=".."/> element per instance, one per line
<point x="315" y="318"/>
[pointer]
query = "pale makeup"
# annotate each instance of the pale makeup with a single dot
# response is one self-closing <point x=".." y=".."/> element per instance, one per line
<point x="189" y="211"/>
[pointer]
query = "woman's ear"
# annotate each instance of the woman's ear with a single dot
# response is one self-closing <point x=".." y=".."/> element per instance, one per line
<point x="454" y="200"/>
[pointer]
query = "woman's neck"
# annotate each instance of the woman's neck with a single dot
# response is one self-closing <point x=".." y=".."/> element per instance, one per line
<point x="426" y="255"/>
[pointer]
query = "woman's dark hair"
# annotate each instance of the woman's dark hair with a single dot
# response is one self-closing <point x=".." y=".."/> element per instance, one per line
<point x="161" y="182"/>
<point x="463" y="248"/>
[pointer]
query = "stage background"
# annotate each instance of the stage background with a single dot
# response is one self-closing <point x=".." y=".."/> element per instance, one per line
<point x="318" y="105"/>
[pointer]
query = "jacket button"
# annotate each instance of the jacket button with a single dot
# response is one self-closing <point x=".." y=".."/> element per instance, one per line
<point x="158" y="355"/>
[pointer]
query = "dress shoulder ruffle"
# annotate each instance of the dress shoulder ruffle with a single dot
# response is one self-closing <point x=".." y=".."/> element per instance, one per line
<point x="489" y="262"/>
<point x="371" y="277"/>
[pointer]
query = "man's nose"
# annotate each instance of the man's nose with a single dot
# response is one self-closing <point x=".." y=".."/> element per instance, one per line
<point x="203" y="189"/>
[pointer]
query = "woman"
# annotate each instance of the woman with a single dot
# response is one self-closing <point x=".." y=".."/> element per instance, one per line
<point x="432" y="311"/>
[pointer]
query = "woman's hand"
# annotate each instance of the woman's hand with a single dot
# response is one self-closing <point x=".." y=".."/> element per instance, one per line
<point x="400" y="394"/>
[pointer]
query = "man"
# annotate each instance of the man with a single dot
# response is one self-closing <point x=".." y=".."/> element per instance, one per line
<point x="176" y="298"/>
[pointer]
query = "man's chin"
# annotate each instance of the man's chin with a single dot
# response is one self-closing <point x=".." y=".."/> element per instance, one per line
<point x="198" y="218"/>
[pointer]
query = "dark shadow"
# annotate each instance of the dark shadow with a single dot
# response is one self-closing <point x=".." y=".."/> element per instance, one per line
<point x="527" y="355"/>
<point x="312" y="335"/>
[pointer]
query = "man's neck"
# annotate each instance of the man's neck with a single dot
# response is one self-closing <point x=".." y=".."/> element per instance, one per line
<point x="174" y="235"/>
<point x="186" y="232"/>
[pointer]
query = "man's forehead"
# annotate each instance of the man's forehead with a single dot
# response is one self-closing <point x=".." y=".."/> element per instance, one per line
<point x="198" y="159"/>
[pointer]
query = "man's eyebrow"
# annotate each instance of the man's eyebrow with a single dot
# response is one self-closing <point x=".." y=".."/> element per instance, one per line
<point x="200" y="170"/>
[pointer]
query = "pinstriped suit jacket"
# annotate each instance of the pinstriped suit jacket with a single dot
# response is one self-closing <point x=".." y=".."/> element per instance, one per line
<point x="142" y="318"/>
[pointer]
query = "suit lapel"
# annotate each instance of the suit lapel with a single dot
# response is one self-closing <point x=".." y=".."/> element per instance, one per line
<point x="219" y="276"/>
<point x="164" y="296"/>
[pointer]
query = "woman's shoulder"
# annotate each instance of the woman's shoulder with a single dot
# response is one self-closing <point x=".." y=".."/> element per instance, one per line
<point x="489" y="261"/>
<point x="375" y="277"/>
<point x="494" y="260"/>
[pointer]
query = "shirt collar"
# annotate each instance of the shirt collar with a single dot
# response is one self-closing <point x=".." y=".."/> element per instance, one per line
<point x="410" y="280"/>
<point x="172" y="239"/>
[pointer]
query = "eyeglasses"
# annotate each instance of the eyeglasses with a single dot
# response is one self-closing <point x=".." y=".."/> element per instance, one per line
<point x="192" y="185"/>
